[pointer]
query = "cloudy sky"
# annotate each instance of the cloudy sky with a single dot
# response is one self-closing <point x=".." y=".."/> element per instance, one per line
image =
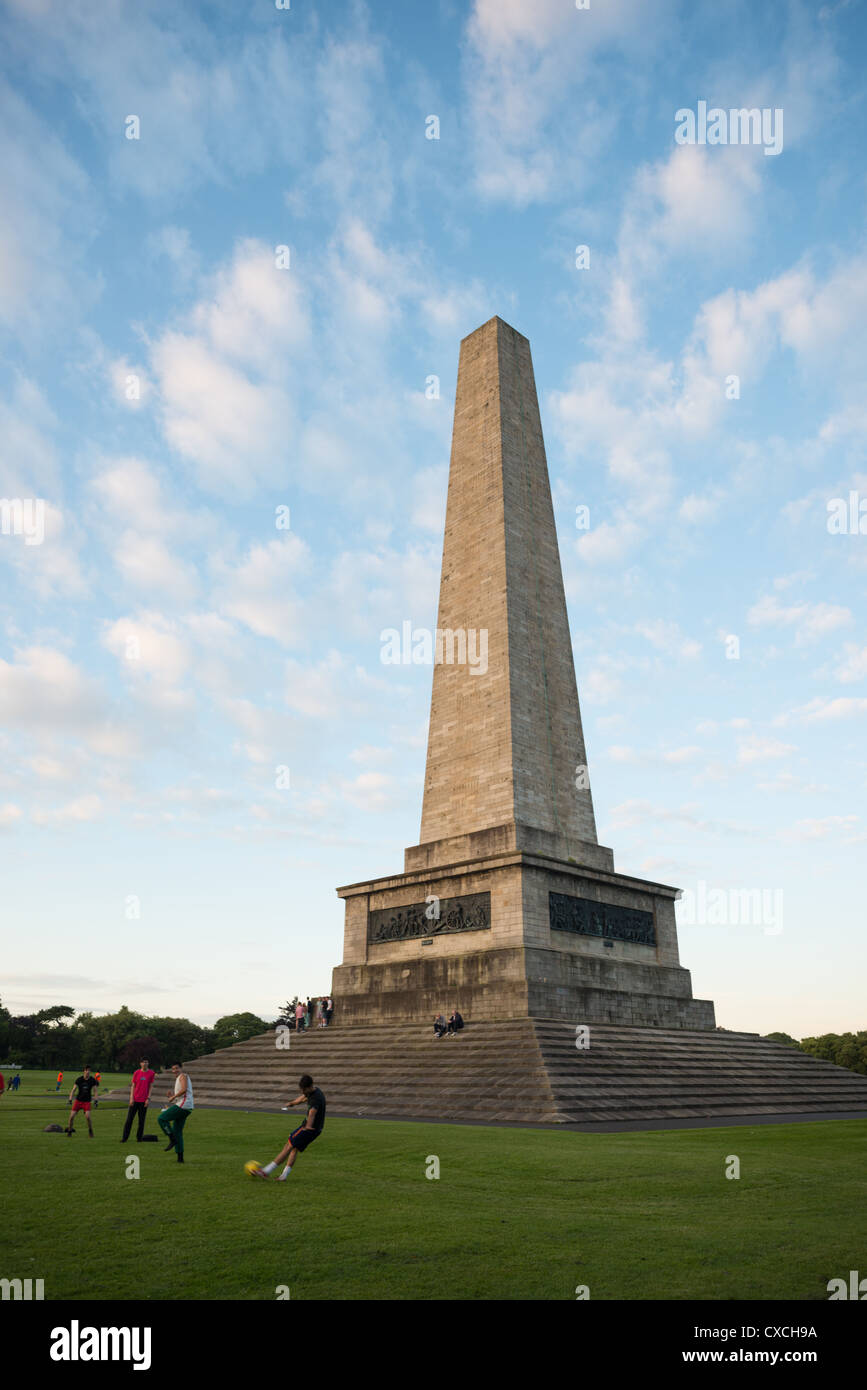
<point x="231" y="259"/>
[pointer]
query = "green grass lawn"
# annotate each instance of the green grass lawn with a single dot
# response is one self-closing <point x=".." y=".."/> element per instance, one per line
<point x="515" y="1214"/>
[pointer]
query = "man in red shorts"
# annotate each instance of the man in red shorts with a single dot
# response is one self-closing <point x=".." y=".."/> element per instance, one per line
<point x="85" y="1085"/>
<point x="303" y="1136"/>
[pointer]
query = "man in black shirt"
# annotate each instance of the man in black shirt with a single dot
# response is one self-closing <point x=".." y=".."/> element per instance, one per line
<point x="85" y="1085"/>
<point x="456" y="1023"/>
<point x="304" y="1135"/>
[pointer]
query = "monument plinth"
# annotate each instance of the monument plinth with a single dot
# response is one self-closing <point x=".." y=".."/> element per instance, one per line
<point x="508" y="907"/>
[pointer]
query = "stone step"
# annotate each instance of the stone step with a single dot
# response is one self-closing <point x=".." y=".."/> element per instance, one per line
<point x="529" y="1071"/>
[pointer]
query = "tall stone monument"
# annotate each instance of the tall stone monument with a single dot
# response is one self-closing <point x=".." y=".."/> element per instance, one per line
<point x="508" y="907"/>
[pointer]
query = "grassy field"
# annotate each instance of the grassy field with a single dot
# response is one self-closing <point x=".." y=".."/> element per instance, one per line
<point x="43" y="1083"/>
<point x="515" y="1214"/>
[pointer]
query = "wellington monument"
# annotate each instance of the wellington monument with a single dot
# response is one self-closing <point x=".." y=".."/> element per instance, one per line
<point x="508" y="907"/>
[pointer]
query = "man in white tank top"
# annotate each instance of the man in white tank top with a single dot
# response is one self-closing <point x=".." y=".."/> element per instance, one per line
<point x="172" y="1120"/>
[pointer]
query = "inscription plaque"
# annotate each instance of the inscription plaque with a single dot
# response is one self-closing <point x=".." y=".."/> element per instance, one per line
<point x="586" y="917"/>
<point x="469" y="913"/>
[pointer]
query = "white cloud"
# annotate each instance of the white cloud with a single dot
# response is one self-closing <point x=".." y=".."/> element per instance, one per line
<point x="429" y="504"/>
<point x="146" y="563"/>
<point x="44" y="689"/>
<point x="522" y="63"/>
<point x="9" y="815"/>
<point x="696" y="201"/>
<point x="758" y="749"/>
<point x="810" y="620"/>
<point x="370" y="791"/>
<point x="223" y="385"/>
<point x="28" y="464"/>
<point x="696" y="509"/>
<point x="820" y="828"/>
<point x="149" y="647"/>
<point x="368" y="753"/>
<point x="609" y="542"/>
<point x="262" y="590"/>
<point x="48" y="220"/>
<point x="825" y="708"/>
<point x="667" y="637"/>
<point x="256" y="312"/>
<point x="320" y="691"/>
<point x="854" y="665"/>
<point x="53" y="568"/>
<point x="219" y="419"/>
<point x="675" y="757"/>
<point x="602" y="684"/>
<point x="83" y="808"/>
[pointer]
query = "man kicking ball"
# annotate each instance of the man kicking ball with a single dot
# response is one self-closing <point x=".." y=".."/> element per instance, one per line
<point x="304" y="1135"/>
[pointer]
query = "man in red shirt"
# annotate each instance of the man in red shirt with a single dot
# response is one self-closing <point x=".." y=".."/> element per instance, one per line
<point x="139" y="1091"/>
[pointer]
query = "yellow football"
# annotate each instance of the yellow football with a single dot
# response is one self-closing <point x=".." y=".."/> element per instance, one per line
<point x="251" y="1167"/>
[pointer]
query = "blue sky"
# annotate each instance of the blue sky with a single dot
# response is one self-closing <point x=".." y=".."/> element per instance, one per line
<point x="167" y="648"/>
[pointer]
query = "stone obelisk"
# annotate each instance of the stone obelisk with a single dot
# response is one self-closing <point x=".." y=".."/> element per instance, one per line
<point x="505" y="747"/>
<point x="508" y="907"/>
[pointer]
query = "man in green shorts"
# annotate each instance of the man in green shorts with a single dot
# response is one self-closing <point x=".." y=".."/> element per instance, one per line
<point x="172" y="1120"/>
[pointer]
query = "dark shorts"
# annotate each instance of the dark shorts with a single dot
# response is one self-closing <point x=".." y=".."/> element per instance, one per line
<point x="301" y="1138"/>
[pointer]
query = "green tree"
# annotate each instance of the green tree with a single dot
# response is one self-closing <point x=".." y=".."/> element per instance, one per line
<point x="845" y="1049"/>
<point x="24" y="1040"/>
<point x="783" y="1037"/>
<point x="102" y="1037"/>
<point x="286" y="1013"/>
<point x="55" y="1015"/>
<point x="180" y="1039"/>
<point x="235" y="1028"/>
<point x="5" y="1021"/>
<point x="132" y="1053"/>
<point x="826" y="1046"/>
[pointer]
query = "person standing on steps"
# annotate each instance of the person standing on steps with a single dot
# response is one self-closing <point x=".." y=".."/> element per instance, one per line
<point x="178" y="1111"/>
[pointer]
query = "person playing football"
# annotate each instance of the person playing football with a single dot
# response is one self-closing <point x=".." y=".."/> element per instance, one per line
<point x="302" y="1137"/>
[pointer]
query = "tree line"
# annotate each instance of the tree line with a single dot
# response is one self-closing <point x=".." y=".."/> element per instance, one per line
<point x="845" y="1049"/>
<point x="54" y="1037"/>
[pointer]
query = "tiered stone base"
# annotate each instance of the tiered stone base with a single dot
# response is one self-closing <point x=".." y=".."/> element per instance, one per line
<point x="514" y="981"/>
<point x="529" y="1070"/>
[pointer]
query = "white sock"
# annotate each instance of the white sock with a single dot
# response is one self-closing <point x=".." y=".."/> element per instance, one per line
<point x="286" y="1171"/>
<point x="269" y="1168"/>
